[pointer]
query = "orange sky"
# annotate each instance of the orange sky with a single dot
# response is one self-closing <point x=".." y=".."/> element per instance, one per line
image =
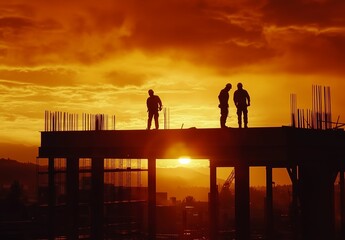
<point x="86" y="56"/>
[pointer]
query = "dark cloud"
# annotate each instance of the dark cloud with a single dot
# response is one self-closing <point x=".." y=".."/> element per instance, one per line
<point x="15" y="22"/>
<point x="321" y="53"/>
<point x="219" y="34"/>
<point x="304" y="12"/>
<point x="16" y="9"/>
<point x="201" y="32"/>
<point x="89" y="33"/>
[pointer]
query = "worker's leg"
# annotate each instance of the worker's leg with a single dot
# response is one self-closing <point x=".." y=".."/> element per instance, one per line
<point x="239" y="117"/>
<point x="245" y="118"/>
<point x="156" y="115"/>
<point x="149" y="120"/>
<point x="223" y="116"/>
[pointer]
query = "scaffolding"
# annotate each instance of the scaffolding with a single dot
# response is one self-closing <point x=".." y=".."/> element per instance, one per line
<point x="124" y="195"/>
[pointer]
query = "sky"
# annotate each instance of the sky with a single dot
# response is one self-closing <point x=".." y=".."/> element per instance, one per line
<point x="84" y="56"/>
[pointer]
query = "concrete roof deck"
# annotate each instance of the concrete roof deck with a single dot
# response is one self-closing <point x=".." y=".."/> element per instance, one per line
<point x="279" y="146"/>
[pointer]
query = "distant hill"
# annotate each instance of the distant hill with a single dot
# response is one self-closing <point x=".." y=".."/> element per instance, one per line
<point x="185" y="177"/>
<point x="19" y="152"/>
<point x="181" y="182"/>
<point x="178" y="182"/>
<point x="11" y="170"/>
<point x="24" y="173"/>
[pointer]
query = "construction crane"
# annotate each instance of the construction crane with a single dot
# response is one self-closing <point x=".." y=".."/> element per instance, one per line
<point x="229" y="181"/>
<point x="226" y="200"/>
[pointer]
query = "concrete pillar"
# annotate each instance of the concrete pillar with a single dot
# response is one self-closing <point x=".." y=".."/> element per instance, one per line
<point x="97" y="198"/>
<point x="294" y="212"/>
<point x="152" y="198"/>
<point x="213" y="202"/>
<point x="269" y="204"/>
<point x="342" y="203"/>
<point x="72" y="197"/>
<point x="51" y="199"/>
<point x="242" y="208"/>
<point x="316" y="185"/>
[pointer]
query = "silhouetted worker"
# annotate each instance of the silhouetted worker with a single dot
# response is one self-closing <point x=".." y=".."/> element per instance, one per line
<point x="224" y="105"/>
<point x="242" y="101"/>
<point x="154" y="104"/>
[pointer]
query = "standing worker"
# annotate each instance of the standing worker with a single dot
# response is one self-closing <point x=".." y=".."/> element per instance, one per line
<point x="154" y="104"/>
<point x="224" y="105"/>
<point x="242" y="101"/>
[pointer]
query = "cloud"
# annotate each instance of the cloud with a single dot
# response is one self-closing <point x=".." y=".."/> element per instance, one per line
<point x="119" y="78"/>
<point x="308" y="50"/>
<point x="220" y="34"/>
<point x="87" y="56"/>
<point x="319" y="13"/>
<point x="88" y="34"/>
<point x="48" y="76"/>
<point x="15" y="23"/>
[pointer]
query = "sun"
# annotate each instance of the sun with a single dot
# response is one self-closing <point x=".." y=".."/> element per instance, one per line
<point x="184" y="160"/>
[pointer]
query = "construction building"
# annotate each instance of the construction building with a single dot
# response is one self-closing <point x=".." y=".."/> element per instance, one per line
<point x="313" y="154"/>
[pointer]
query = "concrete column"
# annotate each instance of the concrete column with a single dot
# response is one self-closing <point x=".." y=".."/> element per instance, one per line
<point x="342" y="203"/>
<point x="72" y="197"/>
<point x="242" y="208"/>
<point x="97" y="198"/>
<point x="316" y="182"/>
<point x="269" y="204"/>
<point x="213" y="202"/>
<point x="152" y="198"/>
<point x="295" y="218"/>
<point x="51" y="199"/>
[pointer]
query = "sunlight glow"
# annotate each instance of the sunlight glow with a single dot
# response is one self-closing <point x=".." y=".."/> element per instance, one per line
<point x="184" y="160"/>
